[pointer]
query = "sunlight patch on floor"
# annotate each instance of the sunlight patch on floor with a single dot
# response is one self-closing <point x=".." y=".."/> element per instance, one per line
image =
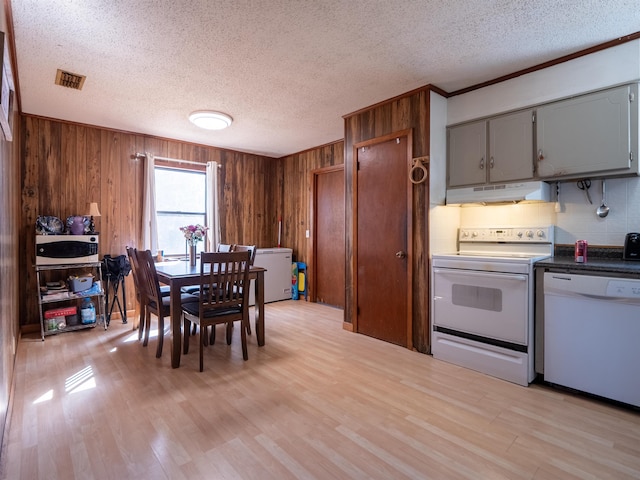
<point x="44" y="397"/>
<point x="83" y="380"/>
<point x="134" y="336"/>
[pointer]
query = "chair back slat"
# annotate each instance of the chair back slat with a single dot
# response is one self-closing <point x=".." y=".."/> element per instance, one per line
<point x="222" y="280"/>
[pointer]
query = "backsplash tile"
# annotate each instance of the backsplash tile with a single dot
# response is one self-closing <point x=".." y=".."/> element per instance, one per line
<point x="443" y="229"/>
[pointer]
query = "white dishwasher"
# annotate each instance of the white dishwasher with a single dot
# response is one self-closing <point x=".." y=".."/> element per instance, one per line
<point x="592" y="333"/>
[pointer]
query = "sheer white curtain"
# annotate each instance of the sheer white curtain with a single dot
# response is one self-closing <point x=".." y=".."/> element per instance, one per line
<point x="213" y="218"/>
<point x="149" y="217"/>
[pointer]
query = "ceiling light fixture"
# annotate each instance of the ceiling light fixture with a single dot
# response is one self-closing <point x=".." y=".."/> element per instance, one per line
<point x="210" y="120"/>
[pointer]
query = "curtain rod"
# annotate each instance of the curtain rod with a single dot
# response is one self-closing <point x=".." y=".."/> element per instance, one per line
<point x="176" y="160"/>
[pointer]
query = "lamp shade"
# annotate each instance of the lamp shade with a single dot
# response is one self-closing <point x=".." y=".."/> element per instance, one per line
<point x="93" y="210"/>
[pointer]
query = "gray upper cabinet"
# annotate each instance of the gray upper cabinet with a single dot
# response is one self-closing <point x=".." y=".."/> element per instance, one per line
<point x="594" y="134"/>
<point x="467" y="148"/>
<point x="507" y="156"/>
<point x="511" y="147"/>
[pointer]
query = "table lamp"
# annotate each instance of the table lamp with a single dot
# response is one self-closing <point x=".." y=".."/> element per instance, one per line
<point x="94" y="212"/>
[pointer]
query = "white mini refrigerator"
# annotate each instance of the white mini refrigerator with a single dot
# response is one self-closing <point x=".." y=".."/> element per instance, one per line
<point x="277" y="278"/>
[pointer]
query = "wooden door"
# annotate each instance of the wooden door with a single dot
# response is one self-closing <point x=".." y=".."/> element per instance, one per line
<point x="382" y="230"/>
<point x="328" y="269"/>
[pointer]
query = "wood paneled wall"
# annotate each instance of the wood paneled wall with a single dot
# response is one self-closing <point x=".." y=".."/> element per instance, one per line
<point x="296" y="194"/>
<point x="406" y="112"/>
<point x="66" y="166"/>
<point x="9" y="264"/>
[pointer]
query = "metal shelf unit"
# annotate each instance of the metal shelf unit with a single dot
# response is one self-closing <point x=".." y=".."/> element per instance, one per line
<point x="70" y="297"/>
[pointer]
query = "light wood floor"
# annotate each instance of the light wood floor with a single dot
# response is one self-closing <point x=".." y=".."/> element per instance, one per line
<point x="315" y="402"/>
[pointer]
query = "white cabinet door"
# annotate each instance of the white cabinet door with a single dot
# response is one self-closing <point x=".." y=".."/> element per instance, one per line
<point x="511" y="147"/>
<point x="586" y="135"/>
<point x="467" y="148"/>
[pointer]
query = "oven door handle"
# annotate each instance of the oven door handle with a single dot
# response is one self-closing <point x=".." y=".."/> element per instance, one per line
<point x="472" y="273"/>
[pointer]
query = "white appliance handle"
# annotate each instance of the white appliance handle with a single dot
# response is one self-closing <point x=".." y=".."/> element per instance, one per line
<point x="606" y="298"/>
<point x="472" y="273"/>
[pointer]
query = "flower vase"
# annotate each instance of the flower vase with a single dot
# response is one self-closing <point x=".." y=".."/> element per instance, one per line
<point x="192" y="255"/>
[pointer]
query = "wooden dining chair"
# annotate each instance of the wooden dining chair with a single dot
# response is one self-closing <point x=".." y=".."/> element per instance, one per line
<point x="223" y="277"/>
<point x="195" y="289"/>
<point x="151" y="296"/>
<point x="164" y="289"/>
<point x="252" y="255"/>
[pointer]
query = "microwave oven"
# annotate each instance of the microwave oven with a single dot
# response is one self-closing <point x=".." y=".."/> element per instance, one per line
<point x="66" y="249"/>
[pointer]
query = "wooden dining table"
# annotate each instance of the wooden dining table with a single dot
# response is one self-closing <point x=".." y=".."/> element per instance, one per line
<point x="178" y="274"/>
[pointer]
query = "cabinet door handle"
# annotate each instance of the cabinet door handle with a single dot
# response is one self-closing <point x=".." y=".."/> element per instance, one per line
<point x="540" y="155"/>
<point x="491" y="162"/>
<point x="482" y="163"/>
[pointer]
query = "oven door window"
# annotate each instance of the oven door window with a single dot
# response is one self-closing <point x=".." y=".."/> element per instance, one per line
<point x="473" y="296"/>
<point x="488" y="304"/>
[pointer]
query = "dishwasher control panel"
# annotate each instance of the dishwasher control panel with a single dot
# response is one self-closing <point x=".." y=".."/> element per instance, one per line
<point x="623" y="289"/>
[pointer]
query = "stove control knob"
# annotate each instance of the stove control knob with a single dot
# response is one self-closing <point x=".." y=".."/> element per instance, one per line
<point x="529" y="234"/>
<point x="464" y="234"/>
<point x="519" y="234"/>
<point x="474" y="234"/>
<point x="540" y="233"/>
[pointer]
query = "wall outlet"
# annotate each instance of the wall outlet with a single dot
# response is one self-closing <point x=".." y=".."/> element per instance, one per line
<point x="306" y="234"/>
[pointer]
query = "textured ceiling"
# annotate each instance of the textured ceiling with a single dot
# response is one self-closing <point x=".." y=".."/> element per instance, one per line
<point x="285" y="70"/>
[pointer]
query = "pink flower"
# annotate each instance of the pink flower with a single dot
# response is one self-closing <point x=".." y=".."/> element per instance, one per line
<point x="194" y="233"/>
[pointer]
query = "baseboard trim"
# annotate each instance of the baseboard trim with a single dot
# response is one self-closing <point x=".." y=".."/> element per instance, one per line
<point x="30" y="328"/>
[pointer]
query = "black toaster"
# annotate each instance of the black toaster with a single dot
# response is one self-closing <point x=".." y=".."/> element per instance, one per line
<point x="631" y="247"/>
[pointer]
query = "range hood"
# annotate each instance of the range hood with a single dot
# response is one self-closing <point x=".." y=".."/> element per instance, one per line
<point x="500" y="193"/>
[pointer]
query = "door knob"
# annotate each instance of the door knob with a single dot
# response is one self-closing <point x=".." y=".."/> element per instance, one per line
<point x="401" y="254"/>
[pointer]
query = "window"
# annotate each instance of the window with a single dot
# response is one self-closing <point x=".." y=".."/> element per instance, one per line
<point x="180" y="201"/>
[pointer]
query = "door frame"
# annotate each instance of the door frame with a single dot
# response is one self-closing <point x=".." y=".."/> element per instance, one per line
<point x="313" y="245"/>
<point x="354" y="227"/>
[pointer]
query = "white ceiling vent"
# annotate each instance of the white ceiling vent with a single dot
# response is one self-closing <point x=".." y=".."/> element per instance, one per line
<point x="70" y="80"/>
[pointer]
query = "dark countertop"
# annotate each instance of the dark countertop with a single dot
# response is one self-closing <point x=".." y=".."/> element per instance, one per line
<point x="599" y="259"/>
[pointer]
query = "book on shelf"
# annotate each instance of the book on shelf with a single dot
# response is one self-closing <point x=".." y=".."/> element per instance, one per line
<point x="55" y="295"/>
<point x="54" y="291"/>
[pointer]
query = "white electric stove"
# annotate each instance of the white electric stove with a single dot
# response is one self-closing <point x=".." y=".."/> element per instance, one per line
<point x="483" y="300"/>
